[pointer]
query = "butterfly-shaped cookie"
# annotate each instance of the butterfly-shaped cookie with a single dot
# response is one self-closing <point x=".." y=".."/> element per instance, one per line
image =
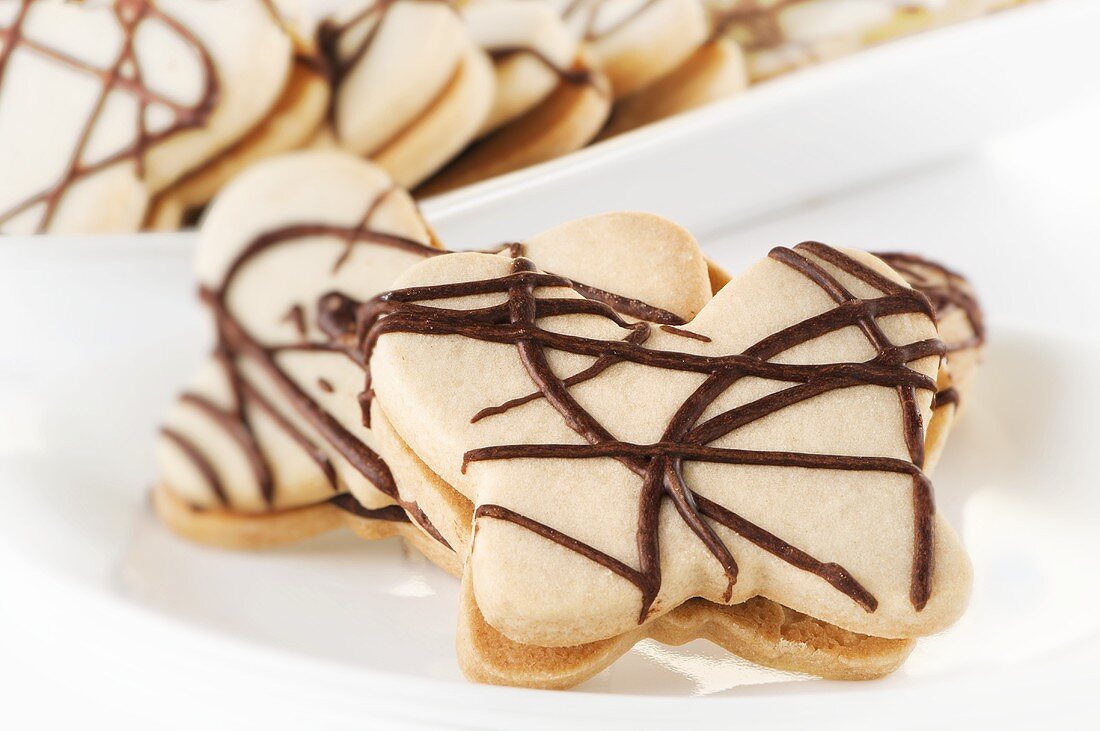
<point x="770" y="447"/>
<point x="236" y="418"/>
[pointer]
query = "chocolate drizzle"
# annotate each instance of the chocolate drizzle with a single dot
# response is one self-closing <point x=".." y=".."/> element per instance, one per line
<point x="947" y="290"/>
<point x="122" y="75"/>
<point x="577" y="74"/>
<point x="235" y="344"/>
<point x="330" y="34"/>
<point x="659" y="466"/>
<point x="347" y="502"/>
<point x="589" y="11"/>
<point x="337" y="65"/>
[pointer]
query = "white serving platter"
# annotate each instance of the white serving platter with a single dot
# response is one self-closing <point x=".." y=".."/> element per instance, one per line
<point x="107" y="616"/>
<point x="110" y="611"/>
<point x="885" y="109"/>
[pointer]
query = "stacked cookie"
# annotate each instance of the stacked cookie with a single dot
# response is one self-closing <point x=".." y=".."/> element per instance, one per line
<point x="779" y="36"/>
<point x="509" y="83"/>
<point x="121" y="115"/>
<point x="603" y="435"/>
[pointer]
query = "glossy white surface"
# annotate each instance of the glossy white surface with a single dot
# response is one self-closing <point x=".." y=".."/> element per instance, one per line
<point x="120" y="617"/>
<point x="107" y="617"/>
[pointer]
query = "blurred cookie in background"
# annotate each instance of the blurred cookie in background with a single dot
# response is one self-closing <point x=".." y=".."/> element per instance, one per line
<point x="404" y="108"/>
<point x="550" y="98"/>
<point x="105" y="105"/>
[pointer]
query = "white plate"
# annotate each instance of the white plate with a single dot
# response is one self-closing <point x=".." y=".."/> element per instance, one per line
<point x="99" y="333"/>
<point x="109" y="615"/>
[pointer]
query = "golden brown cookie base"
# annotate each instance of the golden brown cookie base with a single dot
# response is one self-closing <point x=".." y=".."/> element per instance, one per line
<point x="715" y="71"/>
<point x="775" y="636"/>
<point x="441" y="130"/>
<point x="295" y="118"/>
<point x="227" y="529"/>
<point x="758" y="630"/>
<point x="565" y="121"/>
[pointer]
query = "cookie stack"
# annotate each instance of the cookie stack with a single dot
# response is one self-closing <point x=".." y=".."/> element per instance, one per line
<point x="779" y="36"/>
<point x="128" y="114"/>
<point x="604" y="435"/>
<point x="122" y="115"/>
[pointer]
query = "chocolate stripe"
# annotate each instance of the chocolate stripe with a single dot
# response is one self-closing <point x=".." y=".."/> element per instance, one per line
<point x="199" y="460"/>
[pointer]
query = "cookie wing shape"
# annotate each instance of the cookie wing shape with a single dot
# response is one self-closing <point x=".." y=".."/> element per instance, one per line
<point x="408" y="110"/>
<point x="550" y="99"/>
<point x="272" y="423"/>
<point x="531" y="49"/>
<point x="771" y="447"/>
<point x="636" y="42"/>
<point x="959" y="315"/>
<point x="103" y="104"/>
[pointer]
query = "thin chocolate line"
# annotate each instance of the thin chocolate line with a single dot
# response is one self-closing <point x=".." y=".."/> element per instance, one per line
<point x="591" y="8"/>
<point x="296" y="316"/>
<point x="209" y="474"/>
<point x="502" y="513"/>
<point x="576" y="75"/>
<point x="834" y="573"/>
<point x="347" y="502"/>
<point x="697" y="453"/>
<point x="685" y="333"/>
